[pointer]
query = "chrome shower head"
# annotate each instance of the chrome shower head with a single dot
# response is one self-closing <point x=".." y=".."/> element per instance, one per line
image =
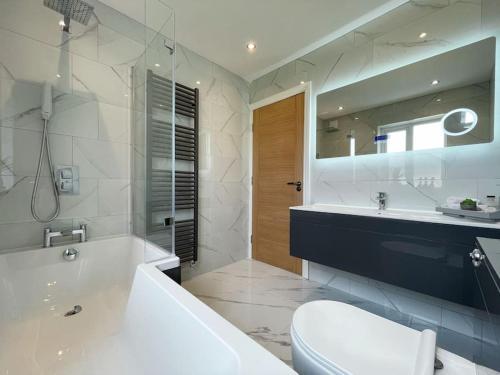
<point x="77" y="10"/>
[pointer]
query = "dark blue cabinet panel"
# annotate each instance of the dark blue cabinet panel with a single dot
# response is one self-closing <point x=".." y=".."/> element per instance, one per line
<point x="425" y="257"/>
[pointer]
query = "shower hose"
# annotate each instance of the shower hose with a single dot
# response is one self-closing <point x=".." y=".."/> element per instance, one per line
<point x="45" y="146"/>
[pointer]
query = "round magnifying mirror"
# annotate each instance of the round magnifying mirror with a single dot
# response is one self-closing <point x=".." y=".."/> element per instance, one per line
<point x="459" y="121"/>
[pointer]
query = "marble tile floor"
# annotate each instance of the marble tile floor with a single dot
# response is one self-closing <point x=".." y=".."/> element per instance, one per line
<point x="261" y="299"/>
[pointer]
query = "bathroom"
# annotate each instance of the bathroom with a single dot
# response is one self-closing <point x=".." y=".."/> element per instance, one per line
<point x="293" y="220"/>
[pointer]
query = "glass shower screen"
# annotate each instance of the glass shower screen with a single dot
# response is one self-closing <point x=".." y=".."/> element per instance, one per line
<point x="154" y="136"/>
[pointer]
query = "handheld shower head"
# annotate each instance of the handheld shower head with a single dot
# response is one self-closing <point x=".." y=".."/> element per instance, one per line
<point x="77" y="10"/>
<point x="47" y="101"/>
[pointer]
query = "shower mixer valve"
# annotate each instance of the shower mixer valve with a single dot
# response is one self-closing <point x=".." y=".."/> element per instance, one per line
<point x="68" y="180"/>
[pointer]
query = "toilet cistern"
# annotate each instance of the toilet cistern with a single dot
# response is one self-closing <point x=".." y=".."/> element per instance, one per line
<point x="382" y="200"/>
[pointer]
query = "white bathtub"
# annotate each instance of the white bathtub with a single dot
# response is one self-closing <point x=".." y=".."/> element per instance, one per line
<point x="37" y="287"/>
<point x="128" y="326"/>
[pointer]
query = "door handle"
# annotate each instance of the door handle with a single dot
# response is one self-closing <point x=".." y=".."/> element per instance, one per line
<point x="297" y="184"/>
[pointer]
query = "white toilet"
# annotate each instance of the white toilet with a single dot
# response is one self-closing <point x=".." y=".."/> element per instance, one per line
<point x="331" y="337"/>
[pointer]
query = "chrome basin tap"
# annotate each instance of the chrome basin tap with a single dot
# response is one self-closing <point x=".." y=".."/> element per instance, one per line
<point x="48" y="235"/>
<point x="382" y="200"/>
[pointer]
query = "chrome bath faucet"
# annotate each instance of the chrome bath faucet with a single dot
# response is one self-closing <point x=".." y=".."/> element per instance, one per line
<point x="382" y="200"/>
<point x="48" y="235"/>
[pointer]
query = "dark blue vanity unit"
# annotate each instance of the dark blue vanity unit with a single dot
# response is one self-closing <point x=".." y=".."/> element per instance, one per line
<point x="427" y="257"/>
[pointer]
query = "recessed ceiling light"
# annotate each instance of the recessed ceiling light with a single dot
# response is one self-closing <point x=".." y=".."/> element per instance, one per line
<point x="435" y="82"/>
<point x="58" y="75"/>
<point x="157" y="65"/>
<point x="340" y="108"/>
<point x="125" y="95"/>
<point x="356" y="118"/>
<point x="198" y="82"/>
<point x="251" y="46"/>
<point x="438" y="99"/>
<point x="422" y="35"/>
<point x="302" y="82"/>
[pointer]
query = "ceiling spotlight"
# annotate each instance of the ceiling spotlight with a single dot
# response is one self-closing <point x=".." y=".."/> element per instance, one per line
<point x="340" y="108"/>
<point x="435" y="82"/>
<point x="251" y="46"/>
<point x="438" y="99"/>
<point x="356" y="118"/>
<point x="198" y="82"/>
<point x="61" y="23"/>
<point x="422" y="35"/>
<point x="302" y="82"/>
<point x="157" y="65"/>
<point x="58" y="75"/>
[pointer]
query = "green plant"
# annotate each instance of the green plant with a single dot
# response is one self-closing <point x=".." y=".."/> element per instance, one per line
<point x="468" y="201"/>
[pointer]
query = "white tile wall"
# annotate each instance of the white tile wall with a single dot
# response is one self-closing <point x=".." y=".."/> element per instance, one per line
<point x="224" y="152"/>
<point x="90" y="127"/>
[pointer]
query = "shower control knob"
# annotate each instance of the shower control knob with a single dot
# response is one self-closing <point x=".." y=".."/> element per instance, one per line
<point x="477" y="257"/>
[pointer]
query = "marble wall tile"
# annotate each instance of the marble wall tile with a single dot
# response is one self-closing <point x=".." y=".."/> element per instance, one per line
<point x="100" y="159"/>
<point x="224" y="152"/>
<point x="19" y="150"/>
<point x="345" y="193"/>
<point x="32" y="19"/>
<point x="30" y="61"/>
<point x="82" y="205"/>
<point x="488" y="187"/>
<point x="20" y="104"/>
<point x="16" y="196"/>
<point x="27" y="234"/>
<point x="117" y="49"/>
<point x="449" y="27"/>
<point x="114" y="123"/>
<point x="113" y="196"/>
<point x="100" y="82"/>
<point x="103" y="226"/>
<point x="76" y="116"/>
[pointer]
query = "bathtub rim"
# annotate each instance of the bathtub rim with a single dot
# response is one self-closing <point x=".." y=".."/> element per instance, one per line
<point x="252" y="357"/>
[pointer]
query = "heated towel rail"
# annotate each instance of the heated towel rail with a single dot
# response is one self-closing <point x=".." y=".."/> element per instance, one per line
<point x="159" y="181"/>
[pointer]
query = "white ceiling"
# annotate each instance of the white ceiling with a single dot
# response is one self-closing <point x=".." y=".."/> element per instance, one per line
<point x="282" y="29"/>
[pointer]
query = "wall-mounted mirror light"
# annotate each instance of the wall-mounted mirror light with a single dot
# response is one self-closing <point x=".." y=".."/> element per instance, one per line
<point x="459" y="122"/>
<point x="443" y="101"/>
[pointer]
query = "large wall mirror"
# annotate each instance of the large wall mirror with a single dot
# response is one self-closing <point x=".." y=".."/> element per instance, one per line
<point x="443" y="101"/>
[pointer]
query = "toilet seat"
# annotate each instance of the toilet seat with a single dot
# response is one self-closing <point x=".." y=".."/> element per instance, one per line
<point x="331" y="337"/>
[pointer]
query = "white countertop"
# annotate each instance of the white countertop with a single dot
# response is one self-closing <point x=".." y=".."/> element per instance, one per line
<point x="398" y="214"/>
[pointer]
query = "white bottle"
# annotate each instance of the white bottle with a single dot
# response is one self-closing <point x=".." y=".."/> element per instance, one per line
<point x="491" y="201"/>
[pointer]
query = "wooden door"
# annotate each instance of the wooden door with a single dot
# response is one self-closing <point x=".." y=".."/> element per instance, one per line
<point x="278" y="137"/>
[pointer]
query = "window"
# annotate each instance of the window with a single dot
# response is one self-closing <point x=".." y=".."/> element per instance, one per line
<point x="396" y="141"/>
<point x="426" y="136"/>
<point x="420" y="134"/>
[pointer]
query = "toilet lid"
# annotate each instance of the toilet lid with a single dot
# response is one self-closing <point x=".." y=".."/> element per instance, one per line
<point x="358" y="342"/>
